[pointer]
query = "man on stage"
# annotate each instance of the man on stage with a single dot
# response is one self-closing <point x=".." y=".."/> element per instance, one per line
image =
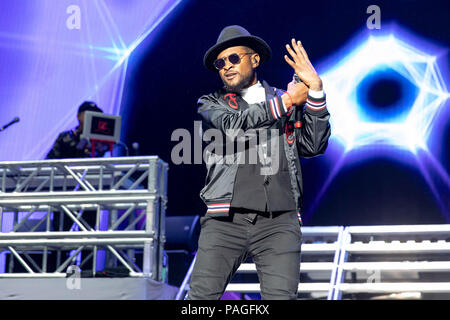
<point x="253" y="211"/>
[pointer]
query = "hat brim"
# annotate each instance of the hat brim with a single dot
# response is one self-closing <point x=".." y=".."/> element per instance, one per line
<point x="253" y="42"/>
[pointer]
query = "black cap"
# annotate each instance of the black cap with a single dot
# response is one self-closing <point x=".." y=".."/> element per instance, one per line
<point x="89" y="106"/>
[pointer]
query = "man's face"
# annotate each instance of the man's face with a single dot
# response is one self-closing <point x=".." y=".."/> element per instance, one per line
<point x="242" y="75"/>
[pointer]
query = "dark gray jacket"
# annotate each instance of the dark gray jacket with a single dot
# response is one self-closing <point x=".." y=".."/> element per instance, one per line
<point x="306" y="135"/>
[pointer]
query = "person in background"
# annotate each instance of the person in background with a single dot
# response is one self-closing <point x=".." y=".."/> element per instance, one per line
<point x="68" y="143"/>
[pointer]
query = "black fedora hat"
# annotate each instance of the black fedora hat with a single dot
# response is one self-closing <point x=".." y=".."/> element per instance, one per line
<point x="236" y="36"/>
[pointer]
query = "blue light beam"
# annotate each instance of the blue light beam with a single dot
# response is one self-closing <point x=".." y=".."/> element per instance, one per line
<point x="351" y="128"/>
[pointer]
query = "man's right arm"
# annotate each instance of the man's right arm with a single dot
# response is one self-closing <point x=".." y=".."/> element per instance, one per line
<point x="217" y="116"/>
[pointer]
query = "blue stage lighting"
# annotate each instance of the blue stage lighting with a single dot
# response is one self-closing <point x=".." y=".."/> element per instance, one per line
<point x="396" y="124"/>
<point x="384" y="95"/>
<point x="356" y="124"/>
<point x="48" y="69"/>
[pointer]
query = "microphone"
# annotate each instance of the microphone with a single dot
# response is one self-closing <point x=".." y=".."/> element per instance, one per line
<point x="297" y="78"/>
<point x="16" y="119"/>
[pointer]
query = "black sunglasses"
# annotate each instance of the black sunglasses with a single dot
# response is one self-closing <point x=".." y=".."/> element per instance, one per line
<point x="234" y="58"/>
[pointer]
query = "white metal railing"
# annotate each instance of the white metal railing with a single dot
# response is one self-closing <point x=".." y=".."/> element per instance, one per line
<point x="129" y="192"/>
<point x="366" y="260"/>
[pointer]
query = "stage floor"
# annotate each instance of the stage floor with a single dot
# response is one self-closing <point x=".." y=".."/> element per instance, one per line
<point x="85" y="289"/>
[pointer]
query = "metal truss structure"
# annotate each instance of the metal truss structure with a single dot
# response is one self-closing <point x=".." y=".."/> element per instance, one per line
<point x="128" y="195"/>
<point x="364" y="262"/>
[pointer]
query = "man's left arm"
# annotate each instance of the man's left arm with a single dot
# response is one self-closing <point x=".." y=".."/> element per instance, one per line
<point x="313" y="129"/>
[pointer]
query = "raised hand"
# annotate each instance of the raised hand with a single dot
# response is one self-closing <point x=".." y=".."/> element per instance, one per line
<point x="302" y="66"/>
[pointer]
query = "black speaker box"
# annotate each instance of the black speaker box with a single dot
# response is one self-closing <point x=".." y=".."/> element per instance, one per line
<point x="182" y="233"/>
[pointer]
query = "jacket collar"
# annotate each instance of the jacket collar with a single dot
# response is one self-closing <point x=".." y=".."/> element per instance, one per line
<point x="235" y="100"/>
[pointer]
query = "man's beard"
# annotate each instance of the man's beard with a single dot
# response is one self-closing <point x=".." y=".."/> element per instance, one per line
<point x="244" y="83"/>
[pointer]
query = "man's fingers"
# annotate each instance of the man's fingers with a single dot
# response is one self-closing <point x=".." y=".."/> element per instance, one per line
<point x="303" y="51"/>
<point x="291" y="85"/>
<point x="293" y="54"/>
<point x="289" y="61"/>
<point x="297" y="49"/>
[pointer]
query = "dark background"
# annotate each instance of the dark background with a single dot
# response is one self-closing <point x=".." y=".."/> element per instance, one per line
<point x="166" y="76"/>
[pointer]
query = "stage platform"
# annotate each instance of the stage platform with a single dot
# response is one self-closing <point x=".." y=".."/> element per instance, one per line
<point x="363" y="262"/>
<point x="126" y="200"/>
<point x="86" y="289"/>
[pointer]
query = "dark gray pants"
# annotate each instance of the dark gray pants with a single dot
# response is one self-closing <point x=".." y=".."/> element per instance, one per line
<point x="224" y="243"/>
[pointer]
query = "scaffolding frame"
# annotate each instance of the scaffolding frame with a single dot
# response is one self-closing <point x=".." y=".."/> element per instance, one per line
<point x="130" y="191"/>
